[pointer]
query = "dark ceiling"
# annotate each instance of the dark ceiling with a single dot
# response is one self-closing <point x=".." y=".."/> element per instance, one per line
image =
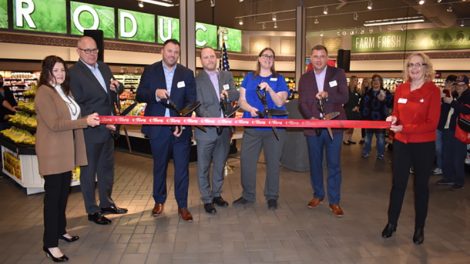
<point x="341" y="13"/>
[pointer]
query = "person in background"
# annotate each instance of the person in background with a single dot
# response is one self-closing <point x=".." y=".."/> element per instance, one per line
<point x="96" y="90"/>
<point x="8" y="105"/>
<point x="265" y="80"/>
<point x="448" y="89"/>
<point x="352" y="108"/>
<point x="213" y="146"/>
<point x="454" y="151"/>
<point x="164" y="81"/>
<point x="329" y="85"/>
<point x="376" y="104"/>
<point x="414" y="121"/>
<point x="365" y="86"/>
<point x="60" y="147"/>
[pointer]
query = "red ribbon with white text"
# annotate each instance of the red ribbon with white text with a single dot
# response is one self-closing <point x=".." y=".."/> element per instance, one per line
<point x="242" y="122"/>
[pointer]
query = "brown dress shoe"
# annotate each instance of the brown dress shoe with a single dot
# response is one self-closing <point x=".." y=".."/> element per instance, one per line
<point x="157" y="209"/>
<point x="185" y="214"/>
<point x="314" y="202"/>
<point x="336" y="210"/>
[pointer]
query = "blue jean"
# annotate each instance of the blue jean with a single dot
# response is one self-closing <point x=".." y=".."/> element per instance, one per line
<point x="439" y="149"/>
<point x="380" y="142"/>
<point x="454" y="153"/>
<point x="316" y="147"/>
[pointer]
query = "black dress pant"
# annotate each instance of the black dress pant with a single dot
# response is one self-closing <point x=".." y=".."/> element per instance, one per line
<point x="57" y="187"/>
<point x="420" y="156"/>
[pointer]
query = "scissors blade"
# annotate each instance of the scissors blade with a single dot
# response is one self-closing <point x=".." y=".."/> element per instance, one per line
<point x="330" y="116"/>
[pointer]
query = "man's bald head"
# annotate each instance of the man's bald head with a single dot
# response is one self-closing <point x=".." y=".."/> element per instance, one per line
<point x="87" y="50"/>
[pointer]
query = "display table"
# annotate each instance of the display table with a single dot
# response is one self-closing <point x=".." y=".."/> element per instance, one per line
<point x="21" y="164"/>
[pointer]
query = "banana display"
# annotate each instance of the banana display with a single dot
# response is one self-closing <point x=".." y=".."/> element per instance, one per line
<point x="32" y="91"/>
<point x="26" y="106"/>
<point x="24" y="120"/>
<point x="19" y="136"/>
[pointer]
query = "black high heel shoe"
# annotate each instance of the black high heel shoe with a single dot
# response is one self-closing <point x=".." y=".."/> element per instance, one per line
<point x="64" y="258"/>
<point x="72" y="239"/>
<point x="418" y="236"/>
<point x="389" y="230"/>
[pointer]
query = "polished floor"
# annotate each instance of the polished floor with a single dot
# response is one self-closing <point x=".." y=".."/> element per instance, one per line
<point x="292" y="234"/>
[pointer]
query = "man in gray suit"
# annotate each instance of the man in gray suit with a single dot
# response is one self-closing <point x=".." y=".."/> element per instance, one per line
<point x="212" y="86"/>
<point x="95" y="90"/>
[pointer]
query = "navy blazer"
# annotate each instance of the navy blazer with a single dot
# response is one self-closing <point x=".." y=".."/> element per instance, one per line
<point x="91" y="97"/>
<point x="338" y="94"/>
<point x="152" y="79"/>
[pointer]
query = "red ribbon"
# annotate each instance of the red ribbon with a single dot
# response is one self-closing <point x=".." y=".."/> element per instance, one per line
<point x="241" y="122"/>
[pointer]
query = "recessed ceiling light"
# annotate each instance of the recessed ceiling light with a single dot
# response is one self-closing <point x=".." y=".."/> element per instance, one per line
<point x="369" y="5"/>
<point x="325" y="10"/>
<point x="141" y="4"/>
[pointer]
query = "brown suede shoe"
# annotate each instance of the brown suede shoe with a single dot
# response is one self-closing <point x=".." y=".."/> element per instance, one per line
<point x="185" y="214"/>
<point x="336" y="210"/>
<point x="157" y="209"/>
<point x="314" y="202"/>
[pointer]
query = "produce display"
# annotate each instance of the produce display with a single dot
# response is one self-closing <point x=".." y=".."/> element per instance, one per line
<point x="23" y="120"/>
<point x="19" y="136"/>
<point x="26" y="106"/>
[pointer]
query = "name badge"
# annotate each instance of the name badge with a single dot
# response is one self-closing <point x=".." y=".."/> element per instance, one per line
<point x="180" y="84"/>
<point x="273" y="79"/>
<point x="333" y="83"/>
<point x="226" y="87"/>
<point x="402" y="100"/>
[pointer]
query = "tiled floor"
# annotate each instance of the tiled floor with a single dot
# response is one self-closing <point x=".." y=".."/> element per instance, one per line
<point x="291" y="234"/>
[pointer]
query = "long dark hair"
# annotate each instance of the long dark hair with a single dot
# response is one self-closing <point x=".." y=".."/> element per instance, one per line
<point x="258" y="66"/>
<point x="46" y="73"/>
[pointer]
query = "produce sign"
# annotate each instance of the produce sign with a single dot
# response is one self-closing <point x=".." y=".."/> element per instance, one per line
<point x="88" y="16"/>
<point x="3" y="14"/>
<point x="11" y="163"/>
<point x="136" y="26"/>
<point x="40" y="15"/>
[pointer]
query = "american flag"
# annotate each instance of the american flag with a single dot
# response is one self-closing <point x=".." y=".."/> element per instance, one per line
<point x="224" y="65"/>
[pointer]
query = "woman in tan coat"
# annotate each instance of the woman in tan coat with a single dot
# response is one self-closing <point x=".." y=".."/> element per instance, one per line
<point x="60" y="147"/>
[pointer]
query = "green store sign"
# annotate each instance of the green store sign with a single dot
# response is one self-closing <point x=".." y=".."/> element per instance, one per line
<point x="418" y="39"/>
<point x="3" y="14"/>
<point x="40" y="15"/>
<point x="50" y="16"/>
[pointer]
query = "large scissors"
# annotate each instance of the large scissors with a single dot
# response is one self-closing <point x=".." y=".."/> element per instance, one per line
<point x="268" y="113"/>
<point x="324" y="116"/>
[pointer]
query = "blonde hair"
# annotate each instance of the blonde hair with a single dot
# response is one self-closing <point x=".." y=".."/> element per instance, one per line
<point x="429" y="73"/>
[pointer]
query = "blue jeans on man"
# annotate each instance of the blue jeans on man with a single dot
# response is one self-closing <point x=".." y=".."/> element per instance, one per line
<point x="316" y="146"/>
<point x="380" y="142"/>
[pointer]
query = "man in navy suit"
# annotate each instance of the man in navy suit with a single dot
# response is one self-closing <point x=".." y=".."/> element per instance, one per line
<point x="329" y="85"/>
<point x="96" y="90"/>
<point x="162" y="81"/>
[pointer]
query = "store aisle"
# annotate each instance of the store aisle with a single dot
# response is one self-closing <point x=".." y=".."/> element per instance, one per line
<point x="291" y="234"/>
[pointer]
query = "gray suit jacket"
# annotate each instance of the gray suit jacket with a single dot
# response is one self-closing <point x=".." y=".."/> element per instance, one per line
<point x="210" y="103"/>
<point x="91" y="97"/>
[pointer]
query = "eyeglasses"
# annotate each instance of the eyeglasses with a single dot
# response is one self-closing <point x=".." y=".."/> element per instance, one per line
<point x="417" y="65"/>
<point x="89" y="51"/>
<point x="266" y="56"/>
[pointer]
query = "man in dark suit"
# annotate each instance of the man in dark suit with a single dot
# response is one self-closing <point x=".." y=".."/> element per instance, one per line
<point x="329" y="85"/>
<point x="95" y="90"/>
<point x="214" y="144"/>
<point x="161" y="82"/>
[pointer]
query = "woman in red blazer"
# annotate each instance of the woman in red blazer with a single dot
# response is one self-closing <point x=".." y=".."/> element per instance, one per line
<point x="414" y="121"/>
<point x="60" y="147"/>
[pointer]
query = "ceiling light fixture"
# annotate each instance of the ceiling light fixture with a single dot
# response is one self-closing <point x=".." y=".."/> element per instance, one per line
<point x="263" y="25"/>
<point x="316" y="21"/>
<point x="240" y="22"/>
<point x="438" y="1"/>
<point x="325" y="10"/>
<point x="275" y="24"/>
<point x="212" y="3"/>
<point x="141" y="4"/>
<point x="421" y="2"/>
<point x="321" y="35"/>
<point x="165" y="3"/>
<point x="369" y="5"/>
<point x="355" y="16"/>
<point x="394" y="21"/>
<point x="462" y="23"/>
<point x="240" y="1"/>
<point x="274" y="18"/>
